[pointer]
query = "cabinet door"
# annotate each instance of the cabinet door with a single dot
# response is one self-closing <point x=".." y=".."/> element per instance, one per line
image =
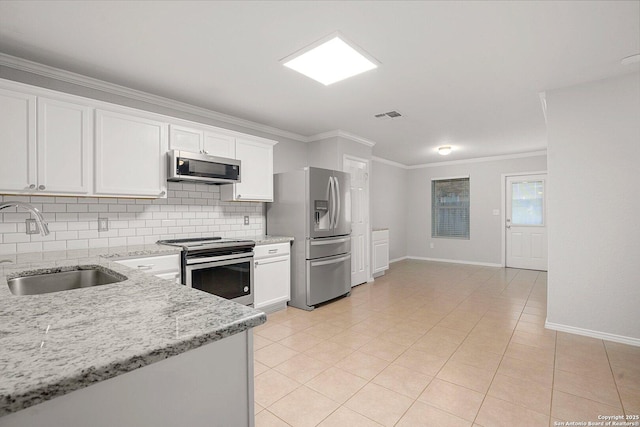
<point x="380" y="256"/>
<point x="130" y="155"/>
<point x="256" y="172"/>
<point x="17" y="141"/>
<point x="219" y="145"/>
<point x="271" y="281"/>
<point x="64" y="144"/>
<point x="187" y="139"/>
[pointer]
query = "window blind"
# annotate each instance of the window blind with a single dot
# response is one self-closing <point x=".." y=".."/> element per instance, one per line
<point x="450" y="208"/>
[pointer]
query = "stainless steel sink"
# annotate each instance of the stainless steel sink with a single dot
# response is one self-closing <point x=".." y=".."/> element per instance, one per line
<point x="63" y="279"/>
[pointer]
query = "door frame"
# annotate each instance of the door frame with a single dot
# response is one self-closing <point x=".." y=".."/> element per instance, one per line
<point x="503" y="213"/>
<point x="367" y="237"/>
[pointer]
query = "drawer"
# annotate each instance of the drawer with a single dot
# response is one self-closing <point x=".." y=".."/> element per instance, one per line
<point x="153" y="264"/>
<point x="275" y="249"/>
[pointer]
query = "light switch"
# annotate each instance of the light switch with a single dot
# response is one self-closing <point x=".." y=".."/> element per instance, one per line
<point x="496" y="212"/>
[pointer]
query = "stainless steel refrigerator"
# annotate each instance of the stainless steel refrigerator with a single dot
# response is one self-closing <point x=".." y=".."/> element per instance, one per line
<point x="313" y="205"/>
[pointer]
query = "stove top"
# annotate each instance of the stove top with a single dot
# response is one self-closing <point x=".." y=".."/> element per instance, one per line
<point x="203" y="243"/>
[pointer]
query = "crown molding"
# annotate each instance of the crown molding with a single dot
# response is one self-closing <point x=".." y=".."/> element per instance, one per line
<point x="481" y="159"/>
<point x="341" y="134"/>
<point x="115" y="89"/>
<point x="389" y="162"/>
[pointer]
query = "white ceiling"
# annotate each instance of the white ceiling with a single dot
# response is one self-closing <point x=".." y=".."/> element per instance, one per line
<point x="467" y="74"/>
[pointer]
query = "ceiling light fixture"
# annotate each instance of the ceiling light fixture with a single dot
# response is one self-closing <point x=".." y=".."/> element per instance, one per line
<point x="631" y="59"/>
<point x="330" y="60"/>
<point x="444" y="150"/>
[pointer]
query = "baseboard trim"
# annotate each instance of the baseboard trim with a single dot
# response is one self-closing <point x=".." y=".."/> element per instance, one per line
<point x="456" y="261"/>
<point x="593" y="334"/>
<point x="398" y="259"/>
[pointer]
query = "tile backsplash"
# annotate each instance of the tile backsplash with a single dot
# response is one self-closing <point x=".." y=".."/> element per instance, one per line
<point x="190" y="210"/>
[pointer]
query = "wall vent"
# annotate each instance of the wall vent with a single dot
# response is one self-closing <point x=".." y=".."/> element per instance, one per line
<point x="388" y="115"/>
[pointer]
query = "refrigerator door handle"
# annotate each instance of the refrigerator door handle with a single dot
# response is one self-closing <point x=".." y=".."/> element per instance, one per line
<point x="333" y="261"/>
<point x="338" y="197"/>
<point x="333" y="203"/>
<point x="330" y="200"/>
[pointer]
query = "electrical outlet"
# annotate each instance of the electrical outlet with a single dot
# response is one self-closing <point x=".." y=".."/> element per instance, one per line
<point x="103" y="224"/>
<point x="496" y="212"/>
<point x="32" y="226"/>
<point x="431" y="245"/>
<point x="246" y="220"/>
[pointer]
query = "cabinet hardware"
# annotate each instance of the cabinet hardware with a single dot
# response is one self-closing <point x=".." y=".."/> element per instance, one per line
<point x="41" y="187"/>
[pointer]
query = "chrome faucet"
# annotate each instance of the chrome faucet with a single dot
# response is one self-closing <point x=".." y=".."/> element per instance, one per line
<point x="44" y="228"/>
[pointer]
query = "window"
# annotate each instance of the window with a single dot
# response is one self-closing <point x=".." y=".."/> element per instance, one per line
<point x="450" y="208"/>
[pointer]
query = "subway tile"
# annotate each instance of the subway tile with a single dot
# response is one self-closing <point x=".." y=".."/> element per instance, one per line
<point x="135" y="240"/>
<point x="16" y="238"/>
<point x="29" y="247"/>
<point x="8" y="248"/>
<point x="77" y="244"/>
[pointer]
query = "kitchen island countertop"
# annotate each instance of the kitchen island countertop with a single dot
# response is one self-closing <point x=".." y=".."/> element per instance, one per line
<point x="53" y="344"/>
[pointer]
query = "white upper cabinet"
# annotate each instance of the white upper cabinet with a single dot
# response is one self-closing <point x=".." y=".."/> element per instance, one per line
<point x="17" y="141"/>
<point x="184" y="138"/>
<point x="64" y="146"/>
<point x="201" y="140"/>
<point x="130" y="154"/>
<point x="48" y="142"/>
<point x="256" y="171"/>
<point x="219" y="145"/>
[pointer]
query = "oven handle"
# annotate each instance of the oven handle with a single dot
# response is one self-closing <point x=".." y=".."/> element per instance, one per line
<point x="333" y="261"/>
<point x="218" y="258"/>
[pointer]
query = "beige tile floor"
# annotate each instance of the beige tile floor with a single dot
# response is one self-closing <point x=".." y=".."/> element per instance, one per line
<point x="433" y="344"/>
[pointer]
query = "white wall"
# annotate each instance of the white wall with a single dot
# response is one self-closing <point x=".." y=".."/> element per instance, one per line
<point x="594" y="233"/>
<point x="485" y="243"/>
<point x="388" y="205"/>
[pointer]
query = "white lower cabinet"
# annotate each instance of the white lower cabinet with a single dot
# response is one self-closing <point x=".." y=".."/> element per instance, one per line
<point x="272" y="276"/>
<point x="380" y="241"/>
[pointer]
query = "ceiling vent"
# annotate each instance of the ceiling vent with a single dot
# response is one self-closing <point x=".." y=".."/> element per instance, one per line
<point x="389" y="115"/>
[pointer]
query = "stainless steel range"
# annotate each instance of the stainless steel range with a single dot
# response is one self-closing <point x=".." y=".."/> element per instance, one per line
<point x="223" y="267"/>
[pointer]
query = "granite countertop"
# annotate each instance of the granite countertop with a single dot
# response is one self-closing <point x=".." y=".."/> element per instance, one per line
<point x="53" y="344"/>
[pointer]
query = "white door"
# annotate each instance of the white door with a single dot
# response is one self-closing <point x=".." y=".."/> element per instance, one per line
<point x="526" y="222"/>
<point x="359" y="171"/>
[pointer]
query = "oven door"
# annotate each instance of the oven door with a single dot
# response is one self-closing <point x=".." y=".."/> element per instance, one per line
<point x="227" y="276"/>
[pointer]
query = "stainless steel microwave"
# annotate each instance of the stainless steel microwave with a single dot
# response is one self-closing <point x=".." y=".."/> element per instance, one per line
<point x="202" y="168"/>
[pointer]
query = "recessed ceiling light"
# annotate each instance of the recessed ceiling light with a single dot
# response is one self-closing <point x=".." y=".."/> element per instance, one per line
<point x="444" y="150"/>
<point x="330" y="60"/>
<point x="633" y="59"/>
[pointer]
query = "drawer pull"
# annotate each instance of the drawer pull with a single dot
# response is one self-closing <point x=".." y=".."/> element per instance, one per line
<point x="273" y="251"/>
<point x="145" y="266"/>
